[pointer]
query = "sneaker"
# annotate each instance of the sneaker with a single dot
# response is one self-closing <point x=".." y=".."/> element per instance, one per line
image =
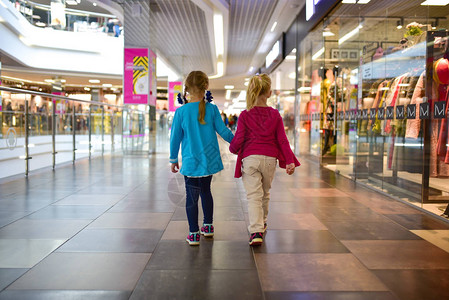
<point x="256" y="239"/>
<point x="207" y="230"/>
<point x="193" y="238"/>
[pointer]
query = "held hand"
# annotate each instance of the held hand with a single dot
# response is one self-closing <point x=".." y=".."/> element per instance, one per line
<point x="174" y="167"/>
<point x="290" y="168"/>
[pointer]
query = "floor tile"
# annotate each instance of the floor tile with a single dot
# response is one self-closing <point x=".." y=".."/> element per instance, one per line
<point x="7" y="217"/>
<point x="230" y="213"/>
<point x="132" y="220"/>
<point x="25" y="253"/>
<point x="80" y="199"/>
<point x="416" y="284"/>
<point x="8" y="276"/>
<point x="439" y="238"/>
<point x="329" y="296"/>
<point x="300" y="241"/>
<point x="176" y="230"/>
<point x="113" y="240"/>
<point x="361" y="214"/>
<point x="294" y="222"/>
<point x="383" y="254"/>
<point x="87" y="212"/>
<point x="224" y="255"/>
<point x="355" y="230"/>
<point x="198" y="284"/>
<point x="180" y="214"/>
<point x="317" y="192"/>
<point x="315" y="272"/>
<point x="418" y="221"/>
<point x="84" y="271"/>
<point x="23" y="205"/>
<point x="58" y="295"/>
<point x="143" y="206"/>
<point x="43" y="229"/>
<point x="231" y="231"/>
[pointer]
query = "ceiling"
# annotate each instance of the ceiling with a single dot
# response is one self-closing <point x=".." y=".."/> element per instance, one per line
<point x="178" y="33"/>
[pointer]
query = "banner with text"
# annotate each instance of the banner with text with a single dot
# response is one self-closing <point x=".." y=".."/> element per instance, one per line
<point x="174" y="88"/>
<point x="136" y="80"/>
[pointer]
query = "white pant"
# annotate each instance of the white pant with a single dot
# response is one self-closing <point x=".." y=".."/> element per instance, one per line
<point x="258" y="173"/>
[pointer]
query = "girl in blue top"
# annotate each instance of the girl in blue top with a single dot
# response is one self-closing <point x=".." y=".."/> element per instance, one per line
<point x="194" y="127"/>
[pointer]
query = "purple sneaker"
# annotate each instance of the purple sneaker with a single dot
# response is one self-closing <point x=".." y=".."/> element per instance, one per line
<point x="193" y="238"/>
<point x="207" y="230"/>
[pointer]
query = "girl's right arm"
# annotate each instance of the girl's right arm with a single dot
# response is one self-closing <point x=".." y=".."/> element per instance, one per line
<point x="175" y="137"/>
<point x="239" y="137"/>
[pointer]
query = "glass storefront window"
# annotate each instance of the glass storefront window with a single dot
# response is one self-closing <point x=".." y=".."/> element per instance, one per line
<point x="372" y="98"/>
<point x="283" y="96"/>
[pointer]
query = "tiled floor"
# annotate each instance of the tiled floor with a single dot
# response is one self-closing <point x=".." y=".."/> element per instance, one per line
<point x="114" y="228"/>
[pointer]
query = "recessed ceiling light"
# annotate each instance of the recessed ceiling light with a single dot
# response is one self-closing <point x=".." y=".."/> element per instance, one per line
<point x="49" y="80"/>
<point x="107" y="85"/>
<point x="229" y="87"/>
<point x="94" y="80"/>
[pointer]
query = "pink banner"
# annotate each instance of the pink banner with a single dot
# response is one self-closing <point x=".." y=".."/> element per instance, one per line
<point x="174" y="88"/>
<point x="136" y="80"/>
<point x="153" y="79"/>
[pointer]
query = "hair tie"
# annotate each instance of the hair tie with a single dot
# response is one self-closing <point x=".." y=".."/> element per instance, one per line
<point x="209" y="96"/>
<point x="181" y="100"/>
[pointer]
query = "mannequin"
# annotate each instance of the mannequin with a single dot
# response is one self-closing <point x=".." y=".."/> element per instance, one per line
<point x="325" y="124"/>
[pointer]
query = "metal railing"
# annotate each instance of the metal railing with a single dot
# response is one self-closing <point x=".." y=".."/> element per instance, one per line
<point x="53" y="129"/>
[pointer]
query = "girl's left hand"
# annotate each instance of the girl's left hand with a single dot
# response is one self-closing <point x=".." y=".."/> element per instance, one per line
<point x="290" y="168"/>
<point x="175" y="167"/>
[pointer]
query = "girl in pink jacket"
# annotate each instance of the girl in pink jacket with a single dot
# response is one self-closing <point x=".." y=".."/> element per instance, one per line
<point x="260" y="141"/>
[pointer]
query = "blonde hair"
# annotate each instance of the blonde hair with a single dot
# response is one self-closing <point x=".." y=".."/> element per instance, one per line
<point x="197" y="83"/>
<point x="258" y="85"/>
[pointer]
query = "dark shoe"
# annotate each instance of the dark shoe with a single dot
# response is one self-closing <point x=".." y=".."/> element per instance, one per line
<point x="256" y="239"/>
<point x="193" y="238"/>
<point x="207" y="230"/>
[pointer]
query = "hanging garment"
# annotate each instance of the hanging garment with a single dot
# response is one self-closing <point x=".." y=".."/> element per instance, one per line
<point x="414" y="125"/>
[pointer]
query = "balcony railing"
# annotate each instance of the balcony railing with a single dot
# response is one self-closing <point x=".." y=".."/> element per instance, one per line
<point x="40" y="130"/>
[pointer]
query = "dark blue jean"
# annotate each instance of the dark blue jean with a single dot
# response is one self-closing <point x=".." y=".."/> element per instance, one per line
<point x="196" y="187"/>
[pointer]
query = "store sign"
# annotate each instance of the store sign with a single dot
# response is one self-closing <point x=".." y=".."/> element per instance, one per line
<point x="311" y="8"/>
<point x="274" y="55"/>
<point x="399" y="112"/>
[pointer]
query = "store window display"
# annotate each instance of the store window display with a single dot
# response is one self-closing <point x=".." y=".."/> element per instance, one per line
<point x="383" y="114"/>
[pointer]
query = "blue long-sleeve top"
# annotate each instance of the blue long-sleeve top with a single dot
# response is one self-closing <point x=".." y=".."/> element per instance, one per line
<point x="200" y="150"/>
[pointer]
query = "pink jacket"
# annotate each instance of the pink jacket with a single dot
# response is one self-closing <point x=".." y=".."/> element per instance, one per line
<point x="260" y="131"/>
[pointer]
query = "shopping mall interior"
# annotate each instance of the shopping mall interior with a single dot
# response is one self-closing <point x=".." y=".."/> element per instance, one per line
<point x="89" y="208"/>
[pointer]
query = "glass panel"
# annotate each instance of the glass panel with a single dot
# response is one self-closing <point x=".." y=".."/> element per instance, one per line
<point x="40" y="132"/>
<point x="308" y="131"/>
<point x="12" y="150"/>
<point x="283" y="96"/>
<point x="390" y="130"/>
<point x="82" y="130"/>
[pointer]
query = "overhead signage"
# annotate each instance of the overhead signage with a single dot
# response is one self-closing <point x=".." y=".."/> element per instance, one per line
<point x="273" y="54"/>
<point x="136" y="78"/>
<point x="310" y="8"/>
